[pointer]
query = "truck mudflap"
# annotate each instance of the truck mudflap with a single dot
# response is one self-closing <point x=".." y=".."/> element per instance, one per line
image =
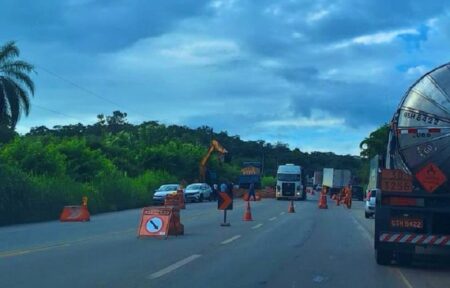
<point x="405" y="238"/>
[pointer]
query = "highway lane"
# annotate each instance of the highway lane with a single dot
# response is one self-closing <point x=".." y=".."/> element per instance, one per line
<point x="428" y="269"/>
<point x="311" y="248"/>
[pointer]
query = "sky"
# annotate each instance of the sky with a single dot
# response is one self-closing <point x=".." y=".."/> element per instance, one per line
<point x="318" y="75"/>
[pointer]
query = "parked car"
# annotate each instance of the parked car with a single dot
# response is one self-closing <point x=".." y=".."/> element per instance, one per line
<point x="160" y="194"/>
<point x="197" y="192"/>
<point x="370" y="203"/>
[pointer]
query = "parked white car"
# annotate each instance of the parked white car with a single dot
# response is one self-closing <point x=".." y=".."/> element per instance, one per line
<point x="197" y="192"/>
<point x="370" y="203"/>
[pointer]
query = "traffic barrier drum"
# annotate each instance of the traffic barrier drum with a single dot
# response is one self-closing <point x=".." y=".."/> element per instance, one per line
<point x="75" y="213"/>
<point x="181" y="202"/>
<point x="175" y="226"/>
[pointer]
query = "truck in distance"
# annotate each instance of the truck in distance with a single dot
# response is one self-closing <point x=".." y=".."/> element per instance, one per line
<point x="335" y="179"/>
<point x="290" y="182"/>
<point x="317" y="178"/>
<point x="250" y="173"/>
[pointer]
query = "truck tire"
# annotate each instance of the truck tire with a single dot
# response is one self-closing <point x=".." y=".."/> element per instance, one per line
<point x="383" y="257"/>
<point x="405" y="258"/>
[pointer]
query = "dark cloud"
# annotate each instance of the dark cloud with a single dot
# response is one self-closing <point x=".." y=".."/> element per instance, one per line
<point x="359" y="104"/>
<point x="93" y="26"/>
<point x="299" y="74"/>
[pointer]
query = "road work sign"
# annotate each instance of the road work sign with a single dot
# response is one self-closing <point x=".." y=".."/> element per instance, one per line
<point x="155" y="222"/>
<point x="225" y="201"/>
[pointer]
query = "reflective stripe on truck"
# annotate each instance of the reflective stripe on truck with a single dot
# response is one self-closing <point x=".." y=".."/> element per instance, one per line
<point x="417" y="239"/>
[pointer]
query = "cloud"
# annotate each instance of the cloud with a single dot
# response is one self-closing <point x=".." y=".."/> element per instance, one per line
<point x="259" y="69"/>
<point x="203" y="52"/>
<point x="376" y="38"/>
<point x="304" y="122"/>
<point x="417" y="71"/>
<point x="94" y="26"/>
<point x="317" y="15"/>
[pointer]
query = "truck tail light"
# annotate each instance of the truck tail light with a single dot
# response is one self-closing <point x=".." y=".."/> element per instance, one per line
<point x="403" y="201"/>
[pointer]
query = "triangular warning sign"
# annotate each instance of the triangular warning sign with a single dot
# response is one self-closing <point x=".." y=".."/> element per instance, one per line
<point x="431" y="177"/>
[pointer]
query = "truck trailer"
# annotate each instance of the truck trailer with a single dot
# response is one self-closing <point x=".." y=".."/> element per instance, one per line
<point x="336" y="179"/>
<point x="412" y="210"/>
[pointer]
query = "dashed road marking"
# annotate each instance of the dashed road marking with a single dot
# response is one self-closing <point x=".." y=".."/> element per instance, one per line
<point x="231" y="239"/>
<point x="257" y="226"/>
<point x="174" y="266"/>
<point x="273" y="218"/>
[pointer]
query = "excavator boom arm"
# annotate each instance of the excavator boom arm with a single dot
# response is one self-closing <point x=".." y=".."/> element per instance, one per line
<point x="215" y="146"/>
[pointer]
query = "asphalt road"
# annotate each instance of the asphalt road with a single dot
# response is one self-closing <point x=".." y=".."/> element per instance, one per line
<point x="311" y="248"/>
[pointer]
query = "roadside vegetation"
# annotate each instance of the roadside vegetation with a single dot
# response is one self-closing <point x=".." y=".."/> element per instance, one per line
<point x="116" y="164"/>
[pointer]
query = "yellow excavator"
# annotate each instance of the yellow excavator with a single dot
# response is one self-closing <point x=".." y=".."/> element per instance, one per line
<point x="215" y="146"/>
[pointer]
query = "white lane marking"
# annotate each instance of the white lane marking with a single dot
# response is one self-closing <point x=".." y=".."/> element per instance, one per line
<point x="403" y="278"/>
<point x="282" y="213"/>
<point x="367" y="235"/>
<point x="257" y="226"/>
<point x="273" y="218"/>
<point x="174" y="266"/>
<point x="230" y="240"/>
<point x="364" y="233"/>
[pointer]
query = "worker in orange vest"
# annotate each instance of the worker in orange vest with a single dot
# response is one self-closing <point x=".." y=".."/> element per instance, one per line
<point x="347" y="197"/>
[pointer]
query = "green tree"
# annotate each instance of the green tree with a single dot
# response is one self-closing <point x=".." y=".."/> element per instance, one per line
<point x="15" y="85"/>
<point x="33" y="156"/>
<point x="83" y="163"/>
<point x="376" y="143"/>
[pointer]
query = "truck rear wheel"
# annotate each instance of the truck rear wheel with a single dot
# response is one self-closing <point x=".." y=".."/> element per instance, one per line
<point x="383" y="257"/>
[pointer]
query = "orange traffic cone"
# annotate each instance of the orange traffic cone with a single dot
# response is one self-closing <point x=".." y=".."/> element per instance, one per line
<point x="323" y="201"/>
<point x="248" y="213"/>
<point x="291" y="208"/>
<point x="333" y="197"/>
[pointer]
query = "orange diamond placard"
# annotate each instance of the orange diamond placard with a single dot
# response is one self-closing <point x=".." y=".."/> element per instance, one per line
<point x="431" y="177"/>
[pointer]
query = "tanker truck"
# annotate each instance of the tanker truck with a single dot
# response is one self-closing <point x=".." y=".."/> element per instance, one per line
<point x="413" y="202"/>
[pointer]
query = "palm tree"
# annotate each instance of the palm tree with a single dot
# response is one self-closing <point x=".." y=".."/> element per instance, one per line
<point x="15" y="85"/>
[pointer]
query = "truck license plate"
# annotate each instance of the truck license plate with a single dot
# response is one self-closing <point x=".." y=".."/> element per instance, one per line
<point x="406" y="223"/>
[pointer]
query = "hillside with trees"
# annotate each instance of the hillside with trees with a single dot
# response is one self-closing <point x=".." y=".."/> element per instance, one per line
<point x="118" y="165"/>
